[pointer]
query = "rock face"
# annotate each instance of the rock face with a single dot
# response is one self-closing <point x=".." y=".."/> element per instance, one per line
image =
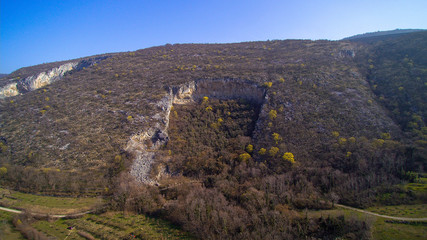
<point x="145" y="144"/>
<point x="219" y="89"/>
<point x="9" y="90"/>
<point x="229" y="89"/>
<point x="347" y="53"/>
<point x="42" y="79"/>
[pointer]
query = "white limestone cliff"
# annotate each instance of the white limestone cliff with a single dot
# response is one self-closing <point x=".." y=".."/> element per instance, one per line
<point x="9" y="90"/>
<point x="37" y="81"/>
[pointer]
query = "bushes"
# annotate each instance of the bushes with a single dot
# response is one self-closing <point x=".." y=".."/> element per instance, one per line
<point x="22" y="223"/>
<point x="52" y="181"/>
<point x="209" y="215"/>
<point x="199" y="150"/>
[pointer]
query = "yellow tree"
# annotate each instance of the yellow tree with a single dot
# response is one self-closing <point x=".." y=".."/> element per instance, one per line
<point x="288" y="156"/>
<point x="205" y="99"/>
<point x="277" y="137"/>
<point x="249" y="148"/>
<point x="268" y="84"/>
<point x="244" y="157"/>
<point x="273" y="151"/>
<point x="3" y="171"/>
<point x="272" y="114"/>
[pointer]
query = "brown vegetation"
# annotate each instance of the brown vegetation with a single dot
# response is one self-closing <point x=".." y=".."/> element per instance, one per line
<point x="324" y="133"/>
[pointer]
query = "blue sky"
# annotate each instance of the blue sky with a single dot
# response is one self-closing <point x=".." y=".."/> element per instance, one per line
<point x="34" y="32"/>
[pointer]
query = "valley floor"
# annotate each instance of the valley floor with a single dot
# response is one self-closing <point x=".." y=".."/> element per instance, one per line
<point x="389" y="222"/>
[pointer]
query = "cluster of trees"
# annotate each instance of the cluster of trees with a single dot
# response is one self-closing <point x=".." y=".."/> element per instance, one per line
<point x="208" y="138"/>
<point x="53" y="181"/>
<point x="22" y="223"/>
<point x="225" y="209"/>
<point x="239" y="193"/>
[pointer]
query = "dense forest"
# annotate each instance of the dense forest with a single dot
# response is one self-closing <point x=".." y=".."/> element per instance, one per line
<point x="338" y="122"/>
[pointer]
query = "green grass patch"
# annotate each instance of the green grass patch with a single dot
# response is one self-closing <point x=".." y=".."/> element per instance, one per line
<point x="47" y="204"/>
<point x="382" y="230"/>
<point x="113" y="225"/>
<point x="419" y="187"/>
<point x="390" y="231"/>
<point x="411" y="211"/>
<point x="57" y="229"/>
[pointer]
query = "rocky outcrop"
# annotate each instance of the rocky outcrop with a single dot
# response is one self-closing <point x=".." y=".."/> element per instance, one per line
<point x="145" y="144"/>
<point x="184" y="94"/>
<point x="42" y="79"/>
<point x="219" y="89"/>
<point x="229" y="89"/>
<point x="34" y="82"/>
<point x="9" y="90"/>
<point x="347" y="53"/>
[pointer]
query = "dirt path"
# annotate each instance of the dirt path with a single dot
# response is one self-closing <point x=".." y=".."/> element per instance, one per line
<point x="43" y="215"/>
<point x="10" y="210"/>
<point x="380" y="215"/>
<point x="338" y="205"/>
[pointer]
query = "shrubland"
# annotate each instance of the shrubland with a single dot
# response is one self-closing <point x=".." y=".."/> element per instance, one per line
<point x="341" y="121"/>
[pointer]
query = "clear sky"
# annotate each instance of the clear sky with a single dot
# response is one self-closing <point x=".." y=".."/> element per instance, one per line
<point x="38" y="31"/>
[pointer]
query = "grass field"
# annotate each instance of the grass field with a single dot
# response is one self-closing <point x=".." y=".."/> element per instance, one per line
<point x="386" y="230"/>
<point x="47" y="204"/>
<point x="381" y="229"/>
<point x="412" y="211"/>
<point x="57" y="229"/>
<point x="418" y="187"/>
<point x="115" y="225"/>
<point x="112" y="225"/>
<point x="397" y="231"/>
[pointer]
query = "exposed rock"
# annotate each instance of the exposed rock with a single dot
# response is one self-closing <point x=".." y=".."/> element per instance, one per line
<point x="184" y="93"/>
<point x="219" y="89"/>
<point x="42" y="79"/>
<point x="347" y="53"/>
<point x="229" y="89"/>
<point x="157" y="136"/>
<point x="9" y="90"/>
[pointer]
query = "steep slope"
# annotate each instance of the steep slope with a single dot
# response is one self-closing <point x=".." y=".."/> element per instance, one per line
<point x="101" y="117"/>
<point x="397" y="72"/>
<point x="11" y="86"/>
<point x="228" y="140"/>
<point x="382" y="33"/>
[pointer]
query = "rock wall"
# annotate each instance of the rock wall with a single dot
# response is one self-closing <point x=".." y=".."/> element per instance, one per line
<point x="9" y="90"/>
<point x="42" y="79"/>
<point x="229" y="89"/>
<point x="34" y="82"/>
<point x="218" y="88"/>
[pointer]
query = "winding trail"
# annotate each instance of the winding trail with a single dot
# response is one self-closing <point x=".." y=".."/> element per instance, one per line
<point x="380" y="215"/>
<point x="50" y="215"/>
<point x="336" y="204"/>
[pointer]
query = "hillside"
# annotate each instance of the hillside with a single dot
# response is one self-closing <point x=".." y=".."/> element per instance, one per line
<point x="382" y="33"/>
<point x="226" y="140"/>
